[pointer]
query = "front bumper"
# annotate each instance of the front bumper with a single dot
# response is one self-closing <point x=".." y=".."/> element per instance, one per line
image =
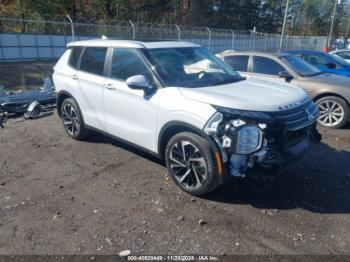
<point x="292" y="146"/>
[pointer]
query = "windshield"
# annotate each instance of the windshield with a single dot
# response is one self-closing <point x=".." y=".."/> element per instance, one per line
<point x="190" y="67"/>
<point x="338" y="60"/>
<point x="300" y="66"/>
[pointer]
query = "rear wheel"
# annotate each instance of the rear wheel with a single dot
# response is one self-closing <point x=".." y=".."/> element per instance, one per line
<point x="334" y="112"/>
<point x="72" y="120"/>
<point x="191" y="163"/>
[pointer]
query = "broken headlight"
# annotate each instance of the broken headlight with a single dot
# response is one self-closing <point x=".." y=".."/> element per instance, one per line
<point x="248" y="139"/>
<point x="213" y="123"/>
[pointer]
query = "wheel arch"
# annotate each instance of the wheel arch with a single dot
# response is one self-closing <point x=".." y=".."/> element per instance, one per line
<point x="319" y="96"/>
<point x="61" y="96"/>
<point x="174" y="127"/>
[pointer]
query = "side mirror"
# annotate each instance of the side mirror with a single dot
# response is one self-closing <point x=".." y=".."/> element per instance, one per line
<point x="285" y="74"/>
<point x="331" y="65"/>
<point x="140" y="82"/>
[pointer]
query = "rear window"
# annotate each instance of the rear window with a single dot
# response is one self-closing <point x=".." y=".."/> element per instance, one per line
<point x="74" y="57"/>
<point x="93" y="60"/>
<point x="238" y="62"/>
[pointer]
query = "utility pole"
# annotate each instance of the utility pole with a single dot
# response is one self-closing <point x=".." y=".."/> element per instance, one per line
<point x="284" y="26"/>
<point x="346" y="34"/>
<point x="332" y="25"/>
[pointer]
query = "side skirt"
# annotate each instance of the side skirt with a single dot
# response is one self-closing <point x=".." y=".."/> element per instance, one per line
<point x="124" y="141"/>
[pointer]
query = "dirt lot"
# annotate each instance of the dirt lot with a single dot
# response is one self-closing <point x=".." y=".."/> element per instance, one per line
<point x="60" y="196"/>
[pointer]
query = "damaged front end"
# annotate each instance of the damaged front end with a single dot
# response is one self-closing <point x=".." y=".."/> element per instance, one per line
<point x="267" y="139"/>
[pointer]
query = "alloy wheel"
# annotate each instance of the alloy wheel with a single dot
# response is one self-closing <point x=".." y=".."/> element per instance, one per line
<point x="187" y="165"/>
<point x="71" y="120"/>
<point x="331" y="113"/>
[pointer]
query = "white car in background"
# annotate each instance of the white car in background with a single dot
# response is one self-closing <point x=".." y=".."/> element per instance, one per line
<point x="343" y="53"/>
<point x="177" y="101"/>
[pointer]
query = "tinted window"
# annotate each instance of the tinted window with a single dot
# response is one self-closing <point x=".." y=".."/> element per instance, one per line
<point x="263" y="65"/>
<point x="74" y="56"/>
<point x="345" y="55"/>
<point x="126" y="63"/>
<point x="316" y="60"/>
<point x="300" y="66"/>
<point x="93" y="60"/>
<point x="238" y="62"/>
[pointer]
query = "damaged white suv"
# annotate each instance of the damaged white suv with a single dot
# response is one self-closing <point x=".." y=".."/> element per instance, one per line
<point x="182" y="104"/>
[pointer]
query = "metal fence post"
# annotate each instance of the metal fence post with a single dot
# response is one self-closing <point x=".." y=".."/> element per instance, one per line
<point x="178" y="32"/>
<point x="71" y="27"/>
<point x="133" y="29"/>
<point x="233" y="40"/>
<point x="209" y="37"/>
<point x="252" y="38"/>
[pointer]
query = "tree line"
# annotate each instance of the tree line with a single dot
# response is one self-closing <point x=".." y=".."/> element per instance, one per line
<point x="305" y="17"/>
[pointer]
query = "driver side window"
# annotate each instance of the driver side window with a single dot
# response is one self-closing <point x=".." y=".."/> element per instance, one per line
<point x="126" y="62"/>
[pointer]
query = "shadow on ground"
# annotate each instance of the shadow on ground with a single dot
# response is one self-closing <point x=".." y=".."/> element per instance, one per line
<point x="320" y="182"/>
<point x="96" y="137"/>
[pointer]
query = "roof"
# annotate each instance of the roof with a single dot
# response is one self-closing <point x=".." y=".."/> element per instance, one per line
<point x="304" y="51"/>
<point x="132" y="43"/>
<point x="339" y="50"/>
<point x="231" y="52"/>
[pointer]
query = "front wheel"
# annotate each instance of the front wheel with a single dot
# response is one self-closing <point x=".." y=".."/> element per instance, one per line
<point x="334" y="112"/>
<point x="191" y="164"/>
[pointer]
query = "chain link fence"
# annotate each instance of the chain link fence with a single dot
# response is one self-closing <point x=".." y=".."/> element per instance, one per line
<point x="29" y="48"/>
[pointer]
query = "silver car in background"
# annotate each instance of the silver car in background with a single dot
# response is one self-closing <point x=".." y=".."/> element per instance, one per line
<point x="343" y="53"/>
<point x="330" y="92"/>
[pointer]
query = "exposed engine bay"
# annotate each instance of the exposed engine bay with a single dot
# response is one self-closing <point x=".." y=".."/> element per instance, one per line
<point x="248" y="138"/>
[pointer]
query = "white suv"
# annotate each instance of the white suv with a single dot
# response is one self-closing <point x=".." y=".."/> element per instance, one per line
<point x="179" y="102"/>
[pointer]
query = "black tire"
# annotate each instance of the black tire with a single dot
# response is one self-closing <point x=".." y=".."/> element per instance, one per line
<point x="341" y="104"/>
<point x="200" y="163"/>
<point x="76" y="129"/>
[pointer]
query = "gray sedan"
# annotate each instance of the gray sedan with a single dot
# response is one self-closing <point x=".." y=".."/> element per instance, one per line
<point x="330" y="92"/>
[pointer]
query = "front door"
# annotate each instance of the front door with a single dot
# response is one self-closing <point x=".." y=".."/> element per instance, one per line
<point x="130" y="114"/>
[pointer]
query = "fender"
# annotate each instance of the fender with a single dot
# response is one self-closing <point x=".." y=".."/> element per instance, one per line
<point x="59" y="100"/>
<point x="175" y="127"/>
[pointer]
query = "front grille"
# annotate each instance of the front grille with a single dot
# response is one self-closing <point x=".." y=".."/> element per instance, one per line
<point x="298" y="117"/>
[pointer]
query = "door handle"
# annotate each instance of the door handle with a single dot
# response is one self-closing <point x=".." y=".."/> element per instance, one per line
<point x="74" y="77"/>
<point x="110" y="86"/>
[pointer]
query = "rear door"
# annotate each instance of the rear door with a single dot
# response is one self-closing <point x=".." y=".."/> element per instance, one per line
<point x="91" y="86"/>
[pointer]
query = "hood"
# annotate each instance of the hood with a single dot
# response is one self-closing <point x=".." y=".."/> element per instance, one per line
<point x="330" y="79"/>
<point x="252" y="94"/>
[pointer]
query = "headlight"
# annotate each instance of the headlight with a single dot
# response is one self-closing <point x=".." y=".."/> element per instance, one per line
<point x="246" y="115"/>
<point x="248" y="140"/>
<point x="213" y="123"/>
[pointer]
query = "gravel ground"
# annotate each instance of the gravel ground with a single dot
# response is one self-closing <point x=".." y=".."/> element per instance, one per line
<point x="60" y="196"/>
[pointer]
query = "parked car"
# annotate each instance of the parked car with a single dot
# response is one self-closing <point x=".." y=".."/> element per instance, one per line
<point x="325" y="62"/>
<point x="177" y="101"/>
<point x="343" y="53"/>
<point x="330" y="92"/>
